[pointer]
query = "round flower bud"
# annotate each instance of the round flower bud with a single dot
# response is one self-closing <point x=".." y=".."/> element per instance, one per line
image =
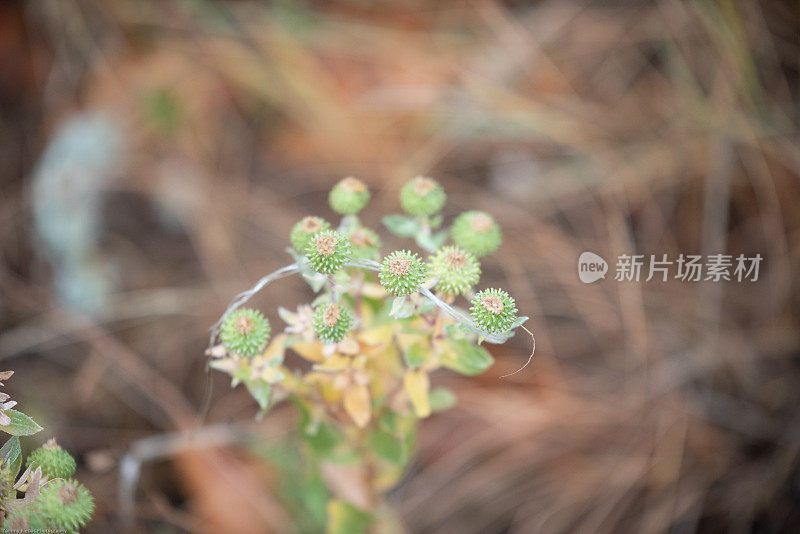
<point x="493" y="310"/>
<point x="54" y="461"/>
<point x="476" y="232"/>
<point x="349" y="196"/>
<point x="304" y="230"/>
<point x="366" y="243"/>
<point x="456" y="269"/>
<point x="64" y="505"/>
<point x="402" y="272"/>
<point x="332" y="322"/>
<point x="327" y="251"/>
<point x="245" y="332"/>
<point x="422" y="196"/>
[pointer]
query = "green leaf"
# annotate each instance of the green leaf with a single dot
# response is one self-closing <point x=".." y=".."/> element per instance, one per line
<point x="261" y="391"/>
<point x="441" y="399"/>
<point x="388" y="446"/>
<point x="315" y="280"/>
<point x="416" y="355"/>
<point x="402" y="307"/>
<point x="11" y="456"/>
<point x="20" y="425"/>
<point x="431" y="242"/>
<point x="466" y="358"/>
<point x="400" y="225"/>
<point x="344" y="518"/>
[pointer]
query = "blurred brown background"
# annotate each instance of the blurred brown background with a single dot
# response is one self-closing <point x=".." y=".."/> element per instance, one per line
<point x="154" y="155"/>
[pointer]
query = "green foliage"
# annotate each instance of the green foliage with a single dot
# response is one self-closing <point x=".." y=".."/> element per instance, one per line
<point x="345" y="518"/>
<point x="466" y="358"/>
<point x="304" y="230"/>
<point x="245" y="332"/>
<point x="477" y="232"/>
<point x="402" y="272"/>
<point x="328" y="251"/>
<point x="422" y="196"/>
<point x="349" y="196"/>
<point x="493" y="310"/>
<point x="20" y="425"/>
<point x="11" y="456"/>
<point x="401" y="226"/>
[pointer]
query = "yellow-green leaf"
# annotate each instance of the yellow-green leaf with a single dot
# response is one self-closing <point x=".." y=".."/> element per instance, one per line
<point x="357" y="404"/>
<point x="20" y="425"/>
<point x="466" y="358"/>
<point x="309" y="351"/>
<point x="415" y="355"/>
<point x="416" y="384"/>
<point x="344" y="518"/>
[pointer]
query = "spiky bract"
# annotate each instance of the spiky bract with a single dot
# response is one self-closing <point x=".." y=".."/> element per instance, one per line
<point x="493" y="310"/>
<point x="245" y="332"/>
<point x="402" y="272"/>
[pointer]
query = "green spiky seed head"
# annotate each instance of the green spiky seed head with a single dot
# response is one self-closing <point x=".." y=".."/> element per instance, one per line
<point x="366" y="243"/>
<point x="63" y="504"/>
<point x="402" y="272"/>
<point x="349" y="196"/>
<point x="327" y="251"/>
<point x="477" y="232"/>
<point x="457" y="270"/>
<point x="304" y="230"/>
<point x="54" y="461"/>
<point x="493" y="310"/>
<point x="422" y="196"/>
<point x="245" y="332"/>
<point x="332" y="322"/>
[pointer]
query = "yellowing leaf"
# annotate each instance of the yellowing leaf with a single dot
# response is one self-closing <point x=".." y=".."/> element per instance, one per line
<point x="404" y="341"/>
<point x="334" y="362"/>
<point x="309" y="351"/>
<point x="373" y="291"/>
<point x="416" y="384"/>
<point x="345" y="518"/>
<point x="357" y="404"/>
<point x="377" y="336"/>
<point x="275" y="348"/>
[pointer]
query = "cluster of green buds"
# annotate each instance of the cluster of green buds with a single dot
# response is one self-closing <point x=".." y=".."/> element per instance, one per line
<point x="379" y="325"/>
<point x="63" y="505"/>
<point x="54" y="501"/>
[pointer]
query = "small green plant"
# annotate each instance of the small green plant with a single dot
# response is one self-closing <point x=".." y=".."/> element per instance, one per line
<point x="50" y="500"/>
<point x="373" y="334"/>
